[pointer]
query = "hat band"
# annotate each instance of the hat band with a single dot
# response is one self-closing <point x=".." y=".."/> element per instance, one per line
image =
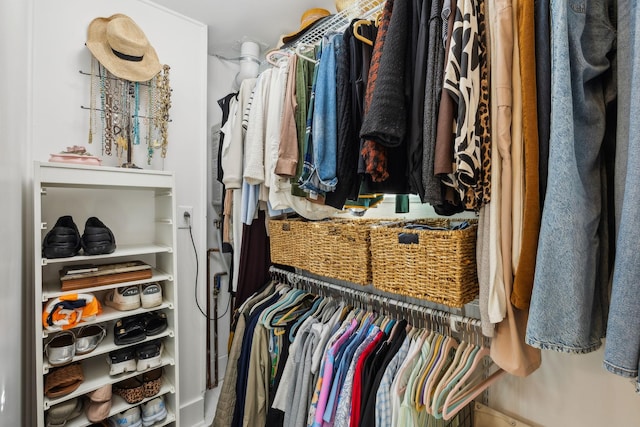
<point x="127" y="57"/>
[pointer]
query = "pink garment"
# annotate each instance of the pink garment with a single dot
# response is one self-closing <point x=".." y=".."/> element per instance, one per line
<point x="327" y="374"/>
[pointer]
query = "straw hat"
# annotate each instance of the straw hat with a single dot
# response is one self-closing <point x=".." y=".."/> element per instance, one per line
<point x="121" y="46"/>
<point x="309" y="17"/>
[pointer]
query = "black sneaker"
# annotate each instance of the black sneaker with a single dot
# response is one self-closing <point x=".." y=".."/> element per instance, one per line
<point x="97" y="238"/>
<point x="63" y="240"/>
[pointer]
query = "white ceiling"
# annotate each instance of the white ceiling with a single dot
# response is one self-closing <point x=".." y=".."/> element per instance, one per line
<point x="232" y="22"/>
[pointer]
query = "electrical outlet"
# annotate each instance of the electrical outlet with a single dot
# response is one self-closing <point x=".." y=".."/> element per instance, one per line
<point x="184" y="222"/>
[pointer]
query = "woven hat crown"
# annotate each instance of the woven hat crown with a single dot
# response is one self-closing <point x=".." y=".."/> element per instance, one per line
<point x="121" y="46"/>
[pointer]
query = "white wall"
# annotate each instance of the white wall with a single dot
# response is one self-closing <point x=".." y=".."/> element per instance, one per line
<point x="569" y="390"/>
<point x="15" y="39"/>
<point x="43" y="48"/>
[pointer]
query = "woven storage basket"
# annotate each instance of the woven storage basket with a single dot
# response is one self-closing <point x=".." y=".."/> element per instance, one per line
<point x="289" y="241"/>
<point x="341" y="249"/>
<point x="440" y="267"/>
<point x="336" y="248"/>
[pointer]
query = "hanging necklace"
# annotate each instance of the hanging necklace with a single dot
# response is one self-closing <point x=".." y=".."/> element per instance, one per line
<point x="108" y="111"/>
<point x="149" y="119"/>
<point x="92" y="99"/>
<point x="164" y="93"/>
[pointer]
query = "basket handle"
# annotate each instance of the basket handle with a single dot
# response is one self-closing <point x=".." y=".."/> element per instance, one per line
<point x="408" y="238"/>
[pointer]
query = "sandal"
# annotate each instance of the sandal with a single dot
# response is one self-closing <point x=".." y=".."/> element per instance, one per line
<point x="154" y="322"/>
<point x="129" y="330"/>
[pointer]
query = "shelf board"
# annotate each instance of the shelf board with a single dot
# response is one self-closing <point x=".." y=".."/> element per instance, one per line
<point x="81" y="176"/>
<point x="96" y="375"/>
<point x="110" y="313"/>
<point x="118" y="405"/>
<point x="52" y="289"/>
<point x="106" y="346"/>
<point x="121" y="251"/>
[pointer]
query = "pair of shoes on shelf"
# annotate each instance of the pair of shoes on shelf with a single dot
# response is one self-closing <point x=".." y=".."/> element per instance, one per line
<point x="133" y="329"/>
<point x="59" y="414"/>
<point x="64" y="240"/>
<point x="139" y="358"/>
<point x="138" y="388"/>
<point x="145" y="415"/>
<point x="63" y="347"/>
<point x="99" y="404"/>
<point x="127" y="298"/>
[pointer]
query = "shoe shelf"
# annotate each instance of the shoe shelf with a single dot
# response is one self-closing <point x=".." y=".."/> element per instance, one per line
<point x="52" y="289"/>
<point x="121" y="251"/>
<point x="139" y="207"/>
<point x="80" y="176"/>
<point x="107" y="345"/>
<point x="118" y="405"/>
<point x="109" y="313"/>
<point x="96" y="374"/>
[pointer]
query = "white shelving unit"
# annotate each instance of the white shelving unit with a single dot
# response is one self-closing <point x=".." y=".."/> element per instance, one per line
<point x="139" y="208"/>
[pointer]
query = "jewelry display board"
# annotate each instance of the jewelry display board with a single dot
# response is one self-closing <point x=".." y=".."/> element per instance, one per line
<point x="125" y="114"/>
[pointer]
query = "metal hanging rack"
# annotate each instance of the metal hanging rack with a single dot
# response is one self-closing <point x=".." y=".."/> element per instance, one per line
<point x="338" y="22"/>
<point x="382" y="303"/>
<point x="440" y="320"/>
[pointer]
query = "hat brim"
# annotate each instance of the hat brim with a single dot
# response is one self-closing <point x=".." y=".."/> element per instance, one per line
<point x="135" y="71"/>
<point x="290" y="38"/>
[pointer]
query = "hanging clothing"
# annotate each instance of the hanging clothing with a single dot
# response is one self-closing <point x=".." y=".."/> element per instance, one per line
<point x="431" y="184"/>
<point x="621" y="354"/>
<point x="570" y="299"/>
<point x="349" y="65"/>
<point x="254" y="260"/>
<point x="319" y="174"/>
<point x="418" y="56"/>
<point x="523" y="280"/>
<point x="508" y="347"/>
<point x="462" y="83"/>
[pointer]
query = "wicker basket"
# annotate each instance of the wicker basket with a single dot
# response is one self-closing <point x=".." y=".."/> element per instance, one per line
<point x="289" y="241"/>
<point x="439" y="267"/>
<point x="336" y="248"/>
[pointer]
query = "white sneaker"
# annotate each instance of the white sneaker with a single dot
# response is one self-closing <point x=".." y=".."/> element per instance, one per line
<point x="128" y="418"/>
<point x="153" y="411"/>
<point x="149" y="355"/>
<point x="151" y="294"/>
<point x="124" y="299"/>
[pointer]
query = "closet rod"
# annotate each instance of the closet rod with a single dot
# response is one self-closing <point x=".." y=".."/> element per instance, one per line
<point x="295" y="279"/>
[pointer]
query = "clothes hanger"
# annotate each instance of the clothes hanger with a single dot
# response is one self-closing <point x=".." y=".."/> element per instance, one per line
<point x="301" y="55"/>
<point x="295" y="311"/>
<point x="450" y="384"/>
<point x="469" y="392"/>
<point x="356" y="32"/>
<point x="423" y="358"/>
<point x="275" y="56"/>
<point x="460" y="394"/>
<point x="459" y="358"/>
<point x="446" y="360"/>
<point x="435" y="353"/>
<point x="283" y="302"/>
